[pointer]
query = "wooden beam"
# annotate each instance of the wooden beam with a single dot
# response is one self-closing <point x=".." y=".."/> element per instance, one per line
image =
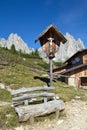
<point x="28" y="96"/>
<point x="24" y="90"/>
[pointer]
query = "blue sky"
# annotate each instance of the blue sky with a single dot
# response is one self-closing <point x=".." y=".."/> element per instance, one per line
<point x="28" y="18"/>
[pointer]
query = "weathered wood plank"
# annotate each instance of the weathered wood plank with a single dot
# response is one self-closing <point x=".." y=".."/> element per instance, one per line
<point x="24" y="90"/>
<point x="28" y="96"/>
<point x="31" y="111"/>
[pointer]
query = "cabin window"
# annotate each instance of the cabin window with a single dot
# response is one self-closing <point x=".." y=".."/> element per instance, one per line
<point x="76" y="60"/>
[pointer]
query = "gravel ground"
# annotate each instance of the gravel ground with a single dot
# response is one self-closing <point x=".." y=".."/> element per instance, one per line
<point x="76" y="119"/>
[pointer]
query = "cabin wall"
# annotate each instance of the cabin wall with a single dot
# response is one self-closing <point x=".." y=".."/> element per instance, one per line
<point x="74" y="78"/>
<point x="85" y="58"/>
<point x="72" y="81"/>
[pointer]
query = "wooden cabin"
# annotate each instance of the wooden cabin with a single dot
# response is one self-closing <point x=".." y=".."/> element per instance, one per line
<point x="74" y="72"/>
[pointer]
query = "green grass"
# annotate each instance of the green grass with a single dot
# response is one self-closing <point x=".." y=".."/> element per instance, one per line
<point x="8" y="117"/>
<point x="66" y="92"/>
<point x="5" y="95"/>
<point x="19" y="76"/>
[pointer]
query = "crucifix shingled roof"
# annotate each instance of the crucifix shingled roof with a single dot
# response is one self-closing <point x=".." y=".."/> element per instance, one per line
<point x="52" y="32"/>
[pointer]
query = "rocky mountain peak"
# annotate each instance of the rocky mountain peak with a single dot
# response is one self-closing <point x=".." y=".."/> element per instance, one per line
<point x="18" y="43"/>
<point x="69" y="36"/>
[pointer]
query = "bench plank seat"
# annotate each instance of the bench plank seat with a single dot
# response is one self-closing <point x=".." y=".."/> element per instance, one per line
<point x="27" y="112"/>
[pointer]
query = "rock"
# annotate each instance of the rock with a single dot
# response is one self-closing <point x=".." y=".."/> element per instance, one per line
<point x="59" y="122"/>
<point x="2" y="86"/>
<point x="24" y="59"/>
<point x="19" y="128"/>
<point x="77" y="97"/>
<point x="57" y="97"/>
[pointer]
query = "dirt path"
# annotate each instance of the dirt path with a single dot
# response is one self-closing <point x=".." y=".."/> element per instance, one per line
<point x="76" y="112"/>
<point x="76" y="119"/>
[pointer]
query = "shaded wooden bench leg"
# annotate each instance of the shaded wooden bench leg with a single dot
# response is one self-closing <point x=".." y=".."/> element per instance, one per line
<point x="25" y="102"/>
<point x="45" y="99"/>
<point x="31" y="119"/>
<point x="57" y="114"/>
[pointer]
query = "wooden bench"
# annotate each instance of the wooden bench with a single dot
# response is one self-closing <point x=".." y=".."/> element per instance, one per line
<point x="35" y="101"/>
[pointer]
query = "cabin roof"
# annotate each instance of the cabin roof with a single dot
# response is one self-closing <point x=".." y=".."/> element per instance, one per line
<point x="60" y="68"/>
<point x="53" y="29"/>
<point x="80" y="51"/>
<point x="74" y="68"/>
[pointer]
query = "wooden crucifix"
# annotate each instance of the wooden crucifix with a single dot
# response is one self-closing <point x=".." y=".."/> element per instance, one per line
<point x="50" y="40"/>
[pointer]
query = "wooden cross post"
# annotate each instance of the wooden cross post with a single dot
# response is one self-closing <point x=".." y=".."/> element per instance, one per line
<point x="50" y="60"/>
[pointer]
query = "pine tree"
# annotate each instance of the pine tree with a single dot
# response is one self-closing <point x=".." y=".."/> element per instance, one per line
<point x="13" y="50"/>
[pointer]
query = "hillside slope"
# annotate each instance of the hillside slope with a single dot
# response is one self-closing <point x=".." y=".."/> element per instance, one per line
<point x="21" y="70"/>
